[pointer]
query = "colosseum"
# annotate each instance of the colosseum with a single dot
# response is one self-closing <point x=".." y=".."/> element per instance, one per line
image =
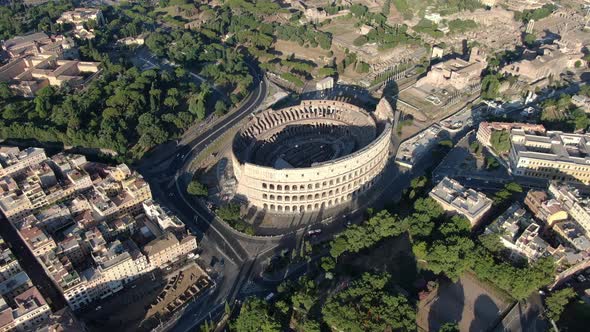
<point x="318" y="154"/>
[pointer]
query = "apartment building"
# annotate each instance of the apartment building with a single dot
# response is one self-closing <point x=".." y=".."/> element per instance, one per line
<point x="164" y="218"/>
<point x="569" y="232"/>
<point x="117" y="264"/>
<point x="14" y="203"/>
<point x="519" y="234"/>
<point x="553" y="156"/>
<point x="86" y="243"/>
<point x="13" y="160"/>
<point x="9" y="266"/>
<point x="455" y="198"/>
<point x="14" y="286"/>
<point x="29" y="313"/>
<point x="546" y="209"/>
<point x="168" y="248"/>
<point x="36" y="238"/>
<point x="576" y="205"/>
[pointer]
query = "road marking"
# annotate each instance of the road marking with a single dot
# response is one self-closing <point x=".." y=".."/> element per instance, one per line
<point x="220" y="128"/>
<point x="210" y="224"/>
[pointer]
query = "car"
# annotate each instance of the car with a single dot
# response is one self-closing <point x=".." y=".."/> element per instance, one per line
<point x="541" y="292"/>
<point x="270" y="296"/>
<point x="314" y="232"/>
<point x="132" y="287"/>
<point x="98" y="308"/>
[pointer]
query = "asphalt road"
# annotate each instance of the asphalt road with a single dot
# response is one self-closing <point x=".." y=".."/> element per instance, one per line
<point x="167" y="172"/>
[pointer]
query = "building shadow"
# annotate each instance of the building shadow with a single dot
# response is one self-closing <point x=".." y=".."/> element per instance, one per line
<point x="448" y="305"/>
<point x="485" y="314"/>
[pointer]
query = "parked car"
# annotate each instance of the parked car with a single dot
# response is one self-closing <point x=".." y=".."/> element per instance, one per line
<point x="270" y="296"/>
<point x="314" y="232"/>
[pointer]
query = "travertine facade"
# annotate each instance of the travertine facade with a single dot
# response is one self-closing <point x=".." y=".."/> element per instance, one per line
<point x="315" y="155"/>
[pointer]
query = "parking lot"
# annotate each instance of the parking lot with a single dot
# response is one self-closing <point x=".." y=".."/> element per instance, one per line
<point x="148" y="300"/>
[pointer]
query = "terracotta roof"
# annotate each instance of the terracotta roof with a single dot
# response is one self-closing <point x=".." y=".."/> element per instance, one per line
<point x="6" y="317"/>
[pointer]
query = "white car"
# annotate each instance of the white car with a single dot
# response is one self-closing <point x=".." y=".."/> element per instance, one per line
<point x="314" y="232"/>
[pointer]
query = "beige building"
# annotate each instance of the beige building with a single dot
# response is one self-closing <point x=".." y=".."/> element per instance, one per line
<point x="318" y="154"/>
<point x="582" y="102"/>
<point x="40" y="43"/>
<point x="81" y="15"/>
<point x="13" y="160"/>
<point x="578" y="207"/>
<point x="28" y="74"/>
<point x="30" y="312"/>
<point x="519" y="233"/>
<point x="545" y="209"/>
<point x="456" y="73"/>
<point x="453" y="197"/>
<point x="168" y="248"/>
<point x="553" y="156"/>
<point x="14" y="203"/>
<point x="9" y="266"/>
<point x="37" y="239"/>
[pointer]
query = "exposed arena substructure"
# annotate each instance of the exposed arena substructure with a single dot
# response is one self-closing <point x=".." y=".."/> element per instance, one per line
<point x="318" y="154"/>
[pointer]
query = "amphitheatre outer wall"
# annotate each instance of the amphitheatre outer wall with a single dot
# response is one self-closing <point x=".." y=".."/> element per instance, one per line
<point x="324" y="184"/>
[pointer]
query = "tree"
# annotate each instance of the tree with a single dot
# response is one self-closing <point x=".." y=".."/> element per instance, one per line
<point x="44" y="101"/>
<point x="360" y="41"/>
<point x="196" y="188"/>
<point x="500" y="140"/>
<point x="196" y="106"/>
<point x="476" y="147"/>
<point x="530" y="39"/>
<point x="328" y="264"/>
<point x="490" y="85"/>
<point x="491" y="242"/>
<point x="5" y="92"/>
<point x="491" y="163"/>
<point x="229" y="212"/>
<point x="446" y="143"/>
<point x="557" y="301"/>
<point x="220" y="108"/>
<point x="358" y="237"/>
<point x="255" y="317"/>
<point x="362" y="67"/>
<point x="367" y="305"/>
<point x="449" y="327"/>
<point x="513" y="187"/>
